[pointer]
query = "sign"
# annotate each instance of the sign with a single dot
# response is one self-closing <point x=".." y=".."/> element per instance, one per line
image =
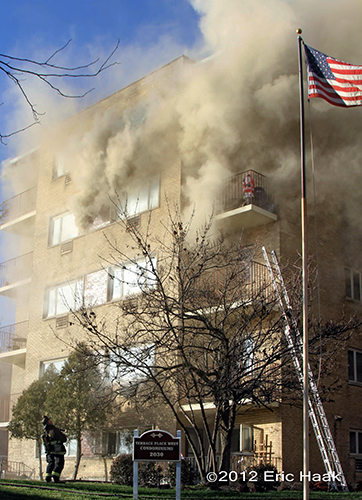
<point x="157" y="446"/>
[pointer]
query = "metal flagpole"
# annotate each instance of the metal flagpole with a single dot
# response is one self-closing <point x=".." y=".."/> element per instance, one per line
<point x="305" y="282"/>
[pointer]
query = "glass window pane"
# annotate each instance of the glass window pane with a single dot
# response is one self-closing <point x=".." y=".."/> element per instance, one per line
<point x="59" y="167"/>
<point x="347" y="273"/>
<point x="352" y="442"/>
<point x="66" y="298"/>
<point x="56" y="231"/>
<point x="117" y="284"/>
<point x="248" y="353"/>
<point x="95" y="292"/>
<point x="154" y="194"/>
<point x="132" y="204"/>
<point x="71" y="447"/>
<point x="247" y="438"/>
<point x="356" y="287"/>
<point x="51" y="303"/>
<point x="235" y="441"/>
<point x="131" y="278"/>
<point x="359" y="439"/>
<point x="351" y="375"/>
<point x="69" y="228"/>
<point x="359" y="366"/>
<point x="125" y="442"/>
<point x="112" y="440"/>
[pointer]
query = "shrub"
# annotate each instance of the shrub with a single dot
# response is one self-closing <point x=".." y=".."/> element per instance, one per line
<point x="122" y="470"/>
<point x="189" y="475"/>
<point x="149" y="473"/>
<point x="259" y="482"/>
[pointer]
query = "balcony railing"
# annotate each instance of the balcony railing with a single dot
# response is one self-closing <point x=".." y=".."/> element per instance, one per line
<point x="13" y="337"/>
<point x="12" y="468"/>
<point x="4" y="408"/>
<point x="245" y="188"/>
<point x="17" y="206"/>
<point x="16" y="270"/>
<point x="249" y="281"/>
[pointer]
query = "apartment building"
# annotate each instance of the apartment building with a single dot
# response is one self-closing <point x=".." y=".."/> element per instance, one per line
<point x="63" y="256"/>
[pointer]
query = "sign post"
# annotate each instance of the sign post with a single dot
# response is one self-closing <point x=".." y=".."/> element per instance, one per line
<point x="135" y="471"/>
<point x="156" y="446"/>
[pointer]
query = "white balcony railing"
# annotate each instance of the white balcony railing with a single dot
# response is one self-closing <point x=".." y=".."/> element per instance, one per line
<point x="18" y="206"/>
<point x="13" y="337"/>
<point x="16" y="270"/>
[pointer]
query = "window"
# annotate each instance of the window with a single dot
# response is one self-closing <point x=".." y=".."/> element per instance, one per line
<point x="248" y="354"/>
<point x="130" y="279"/>
<point x="353" y="284"/>
<point x="246" y="438"/>
<point x="355" y="442"/>
<point x="354" y="366"/>
<point x="60" y="166"/>
<point x="118" y="442"/>
<point x="70" y="446"/>
<point x="141" y="199"/>
<point x="95" y="288"/>
<point x="123" y="368"/>
<point x="63" y="298"/>
<point x="62" y="228"/>
<point x="57" y="364"/>
<point x="90" y="291"/>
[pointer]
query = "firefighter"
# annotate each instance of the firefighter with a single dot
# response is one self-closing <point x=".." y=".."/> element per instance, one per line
<point x="53" y="439"/>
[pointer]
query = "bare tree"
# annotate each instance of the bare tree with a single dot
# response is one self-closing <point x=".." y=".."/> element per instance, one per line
<point x="200" y="330"/>
<point x="48" y="72"/>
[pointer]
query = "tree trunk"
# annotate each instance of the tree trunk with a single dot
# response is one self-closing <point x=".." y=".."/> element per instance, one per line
<point x="38" y="445"/>
<point x="226" y="430"/>
<point x="77" y="457"/>
<point x="225" y="450"/>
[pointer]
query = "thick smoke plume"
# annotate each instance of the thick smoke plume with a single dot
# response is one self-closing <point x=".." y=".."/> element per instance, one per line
<point x="237" y="110"/>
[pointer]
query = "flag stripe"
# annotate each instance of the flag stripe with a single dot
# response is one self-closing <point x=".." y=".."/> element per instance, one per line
<point x="316" y="84"/>
<point x="335" y="81"/>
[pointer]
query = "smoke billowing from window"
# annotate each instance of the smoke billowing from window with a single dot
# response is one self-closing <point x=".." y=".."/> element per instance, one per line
<point x="237" y="110"/>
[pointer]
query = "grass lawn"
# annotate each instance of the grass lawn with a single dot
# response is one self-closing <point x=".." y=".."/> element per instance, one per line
<point x="36" y="490"/>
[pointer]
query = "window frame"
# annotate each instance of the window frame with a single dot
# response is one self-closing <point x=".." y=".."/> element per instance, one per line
<point x="357" y="443"/>
<point x="49" y="362"/>
<point x="120" y="282"/>
<point x="135" y="194"/>
<point x="83" y="297"/>
<point x="56" y="288"/>
<point x="350" y="284"/>
<point x="356" y="373"/>
<point x="129" y="376"/>
<point x="52" y="220"/>
<point x="59" y="168"/>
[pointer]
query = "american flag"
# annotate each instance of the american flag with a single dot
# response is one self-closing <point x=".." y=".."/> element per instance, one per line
<point x="338" y="82"/>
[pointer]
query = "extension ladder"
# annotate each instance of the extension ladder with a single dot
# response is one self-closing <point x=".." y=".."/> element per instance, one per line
<point x="316" y="411"/>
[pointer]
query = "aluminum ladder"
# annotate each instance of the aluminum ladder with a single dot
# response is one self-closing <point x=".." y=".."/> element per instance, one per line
<point x="316" y="411"/>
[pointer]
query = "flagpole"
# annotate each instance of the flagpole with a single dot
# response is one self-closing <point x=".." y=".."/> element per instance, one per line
<point x="305" y="280"/>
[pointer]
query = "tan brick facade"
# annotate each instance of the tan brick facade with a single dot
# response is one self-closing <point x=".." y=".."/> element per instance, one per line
<point x="279" y="427"/>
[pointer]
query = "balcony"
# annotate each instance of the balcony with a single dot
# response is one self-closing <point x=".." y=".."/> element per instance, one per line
<point x="4" y="409"/>
<point x="246" y="198"/>
<point x="13" y="343"/>
<point x="17" y="214"/>
<point x="247" y="282"/>
<point x="15" y="273"/>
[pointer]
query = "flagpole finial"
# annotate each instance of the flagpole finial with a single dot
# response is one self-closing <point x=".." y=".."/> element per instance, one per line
<point x="299" y="31"/>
